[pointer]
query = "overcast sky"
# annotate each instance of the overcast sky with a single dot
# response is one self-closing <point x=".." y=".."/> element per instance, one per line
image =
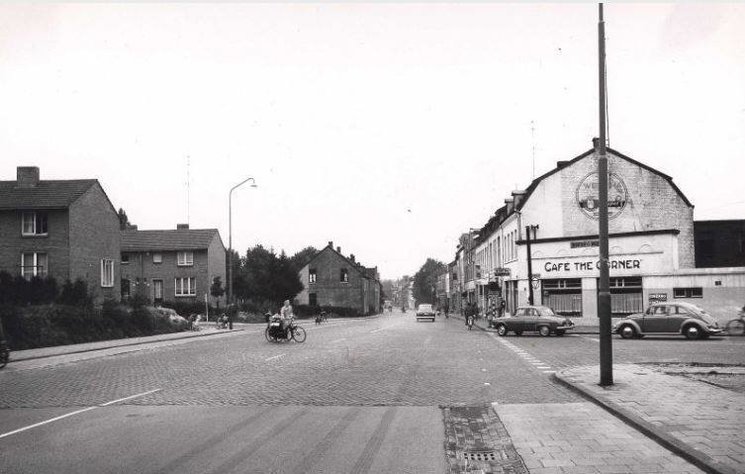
<point x="389" y="129"/>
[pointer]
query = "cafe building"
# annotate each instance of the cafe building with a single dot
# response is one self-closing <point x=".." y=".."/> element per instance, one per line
<point x="651" y="244"/>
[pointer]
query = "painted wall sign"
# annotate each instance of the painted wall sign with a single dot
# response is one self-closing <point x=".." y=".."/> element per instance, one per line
<point x="657" y="298"/>
<point x="502" y="272"/>
<point x="587" y="195"/>
<point x="629" y="264"/>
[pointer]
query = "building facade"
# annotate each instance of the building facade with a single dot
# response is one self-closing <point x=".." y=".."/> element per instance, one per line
<point x="331" y="279"/>
<point x="172" y="265"/>
<point x="65" y="229"/>
<point x="652" y="248"/>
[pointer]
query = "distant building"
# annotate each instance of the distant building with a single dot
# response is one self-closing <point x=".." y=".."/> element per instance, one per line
<point x="719" y="243"/>
<point x="172" y="265"/>
<point x="331" y="279"/>
<point x="66" y="229"/>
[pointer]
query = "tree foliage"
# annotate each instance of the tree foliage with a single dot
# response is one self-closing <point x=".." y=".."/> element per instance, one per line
<point x="303" y="257"/>
<point x="425" y="281"/>
<point x="264" y="276"/>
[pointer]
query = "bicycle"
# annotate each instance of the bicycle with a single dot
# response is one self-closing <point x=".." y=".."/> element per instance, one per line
<point x="736" y="327"/>
<point x="274" y="332"/>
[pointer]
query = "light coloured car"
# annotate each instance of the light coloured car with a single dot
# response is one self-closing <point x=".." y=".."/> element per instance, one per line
<point x="425" y="311"/>
<point x="533" y="318"/>
<point x="669" y="318"/>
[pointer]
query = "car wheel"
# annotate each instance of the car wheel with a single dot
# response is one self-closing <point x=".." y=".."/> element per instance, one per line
<point x="692" y="332"/>
<point x="544" y="331"/>
<point x="502" y="330"/>
<point x="627" y="331"/>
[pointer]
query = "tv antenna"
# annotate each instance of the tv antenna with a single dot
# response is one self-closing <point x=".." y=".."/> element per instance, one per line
<point x="532" y="139"/>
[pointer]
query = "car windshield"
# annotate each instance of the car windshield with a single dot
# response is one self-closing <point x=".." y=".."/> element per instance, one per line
<point x="545" y="311"/>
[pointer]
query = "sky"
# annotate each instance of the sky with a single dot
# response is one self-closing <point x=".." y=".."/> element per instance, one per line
<point x="389" y="129"/>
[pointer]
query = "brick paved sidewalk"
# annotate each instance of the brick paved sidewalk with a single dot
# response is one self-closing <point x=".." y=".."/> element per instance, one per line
<point x="702" y="422"/>
<point x="130" y="341"/>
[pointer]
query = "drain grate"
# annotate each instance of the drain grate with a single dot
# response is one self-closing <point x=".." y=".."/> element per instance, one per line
<point x="481" y="456"/>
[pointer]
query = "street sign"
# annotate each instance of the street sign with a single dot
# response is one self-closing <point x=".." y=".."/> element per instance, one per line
<point x="501" y="272"/>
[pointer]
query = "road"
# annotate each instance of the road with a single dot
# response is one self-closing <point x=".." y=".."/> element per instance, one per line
<point x="358" y="396"/>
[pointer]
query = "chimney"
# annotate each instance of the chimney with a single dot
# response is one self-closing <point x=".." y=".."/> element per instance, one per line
<point x="27" y="176"/>
<point x="510" y="205"/>
<point x="338" y="249"/>
<point x="331" y="243"/>
<point x="182" y="226"/>
<point x="561" y="164"/>
<point x="351" y="257"/>
<point x="517" y="197"/>
<point x="595" y="142"/>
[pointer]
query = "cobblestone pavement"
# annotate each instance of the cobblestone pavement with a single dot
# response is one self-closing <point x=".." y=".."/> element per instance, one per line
<point x="363" y="390"/>
<point x="701" y="419"/>
<point x="582" y="438"/>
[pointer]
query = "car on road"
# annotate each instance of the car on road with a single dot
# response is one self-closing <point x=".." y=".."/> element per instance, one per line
<point x="425" y="311"/>
<point x="669" y="318"/>
<point x="533" y="318"/>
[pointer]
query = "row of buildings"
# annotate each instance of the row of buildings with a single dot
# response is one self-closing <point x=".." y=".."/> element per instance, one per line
<point x="69" y="229"/>
<point x="542" y="245"/>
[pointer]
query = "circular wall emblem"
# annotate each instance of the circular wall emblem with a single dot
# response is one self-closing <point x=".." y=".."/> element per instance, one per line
<point x="587" y="195"/>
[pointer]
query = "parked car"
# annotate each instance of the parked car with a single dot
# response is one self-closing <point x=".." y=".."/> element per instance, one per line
<point x="425" y="311"/>
<point x="669" y="318"/>
<point x="533" y="318"/>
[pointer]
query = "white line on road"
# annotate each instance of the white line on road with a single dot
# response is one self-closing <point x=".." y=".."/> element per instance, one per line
<point x="274" y="357"/>
<point x="76" y="412"/>
<point x="379" y="329"/>
<point x="338" y="340"/>
<point x="593" y="339"/>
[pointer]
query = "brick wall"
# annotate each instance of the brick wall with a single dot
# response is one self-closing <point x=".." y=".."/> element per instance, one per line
<point x="54" y="244"/>
<point x="94" y="235"/>
<point x="141" y="266"/>
<point x="329" y="290"/>
<point x="216" y="264"/>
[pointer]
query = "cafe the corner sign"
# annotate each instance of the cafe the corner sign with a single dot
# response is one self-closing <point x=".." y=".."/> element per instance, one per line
<point x="587" y="195"/>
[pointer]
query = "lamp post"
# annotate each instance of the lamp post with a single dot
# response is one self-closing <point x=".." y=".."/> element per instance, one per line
<point x="230" y="246"/>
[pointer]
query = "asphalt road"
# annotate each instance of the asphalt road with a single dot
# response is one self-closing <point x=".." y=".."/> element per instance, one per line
<point x="358" y="396"/>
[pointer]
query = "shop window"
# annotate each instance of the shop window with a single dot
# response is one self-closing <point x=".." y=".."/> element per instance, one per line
<point x="695" y="292"/>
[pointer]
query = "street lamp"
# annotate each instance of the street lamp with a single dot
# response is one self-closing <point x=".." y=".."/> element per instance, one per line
<point x="230" y="245"/>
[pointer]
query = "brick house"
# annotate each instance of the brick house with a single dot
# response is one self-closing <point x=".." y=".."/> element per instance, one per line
<point x="65" y="229"/>
<point x="331" y="279"/>
<point x="172" y="265"/>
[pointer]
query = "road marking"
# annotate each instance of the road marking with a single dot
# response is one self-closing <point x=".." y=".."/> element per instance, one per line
<point x="593" y="339"/>
<point x="76" y="412"/>
<point x="338" y="340"/>
<point x="274" y="357"/>
<point x="379" y="329"/>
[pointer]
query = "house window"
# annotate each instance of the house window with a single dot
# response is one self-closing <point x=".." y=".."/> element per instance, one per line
<point x="125" y="258"/>
<point x="688" y="292"/>
<point x="107" y="272"/>
<point x="312" y="275"/>
<point x="186" y="286"/>
<point x="313" y="299"/>
<point x="185" y="258"/>
<point x="158" y="258"/>
<point x="34" y="264"/>
<point x="126" y="288"/>
<point x="344" y="275"/>
<point x="34" y="223"/>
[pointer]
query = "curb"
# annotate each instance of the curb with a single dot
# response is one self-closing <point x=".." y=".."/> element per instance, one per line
<point x="186" y="336"/>
<point x="690" y="454"/>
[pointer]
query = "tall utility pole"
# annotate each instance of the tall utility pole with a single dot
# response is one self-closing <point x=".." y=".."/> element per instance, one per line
<point x="530" y="265"/>
<point x="230" y="246"/>
<point x="604" y="310"/>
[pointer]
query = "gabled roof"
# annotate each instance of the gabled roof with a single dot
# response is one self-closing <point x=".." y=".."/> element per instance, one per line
<point x="46" y="194"/>
<point x="589" y="152"/>
<point x="178" y="239"/>
<point x="360" y="269"/>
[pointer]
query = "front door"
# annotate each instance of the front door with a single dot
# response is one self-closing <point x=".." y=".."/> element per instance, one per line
<point x="157" y="291"/>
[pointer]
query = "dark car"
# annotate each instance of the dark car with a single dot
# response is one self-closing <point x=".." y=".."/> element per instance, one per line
<point x="533" y="318"/>
<point x="425" y="311"/>
<point x="669" y="318"/>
